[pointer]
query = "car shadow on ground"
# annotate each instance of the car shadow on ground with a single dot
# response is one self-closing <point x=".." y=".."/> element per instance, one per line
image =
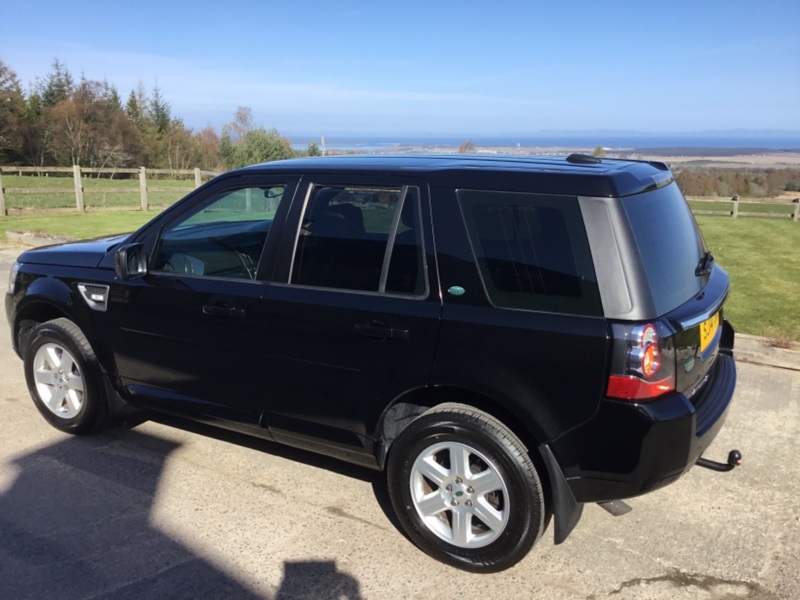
<point x="76" y="522"/>
<point x="376" y="478"/>
<point x="313" y="459"/>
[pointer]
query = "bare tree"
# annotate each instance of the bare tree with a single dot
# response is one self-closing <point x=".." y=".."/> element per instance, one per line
<point x="241" y="125"/>
<point x="208" y="148"/>
<point x="467" y="147"/>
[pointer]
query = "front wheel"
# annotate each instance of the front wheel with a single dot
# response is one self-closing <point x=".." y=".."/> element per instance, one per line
<point x="64" y="378"/>
<point x="465" y="490"/>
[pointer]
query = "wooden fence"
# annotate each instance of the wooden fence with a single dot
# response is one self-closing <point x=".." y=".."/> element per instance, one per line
<point x="740" y="209"/>
<point x="77" y="182"/>
<point x="737" y="208"/>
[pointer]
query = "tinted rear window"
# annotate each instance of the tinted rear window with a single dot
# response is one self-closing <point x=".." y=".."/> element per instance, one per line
<point x="669" y="243"/>
<point x="363" y="238"/>
<point x="532" y="251"/>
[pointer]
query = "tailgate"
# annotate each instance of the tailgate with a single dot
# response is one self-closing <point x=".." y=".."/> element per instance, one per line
<point x="699" y="324"/>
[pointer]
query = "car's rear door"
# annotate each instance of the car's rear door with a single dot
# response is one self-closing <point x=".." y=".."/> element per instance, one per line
<point x="354" y="309"/>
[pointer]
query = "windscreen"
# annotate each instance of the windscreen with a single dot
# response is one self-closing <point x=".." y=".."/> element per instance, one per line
<point x="669" y="243"/>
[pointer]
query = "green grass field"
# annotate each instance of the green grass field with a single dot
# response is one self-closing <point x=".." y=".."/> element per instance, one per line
<point x="761" y="255"/>
<point x="96" y="192"/>
<point x="749" y="207"/>
<point x="75" y="225"/>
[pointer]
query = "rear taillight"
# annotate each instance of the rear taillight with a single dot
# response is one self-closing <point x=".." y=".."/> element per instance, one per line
<point x="643" y="362"/>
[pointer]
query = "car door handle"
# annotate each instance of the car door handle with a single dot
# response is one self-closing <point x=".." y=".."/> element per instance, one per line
<point x="223" y="311"/>
<point x="381" y="331"/>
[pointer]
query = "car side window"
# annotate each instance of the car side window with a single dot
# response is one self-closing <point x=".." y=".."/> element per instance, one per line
<point x="224" y="237"/>
<point x="532" y="251"/>
<point x="364" y="238"/>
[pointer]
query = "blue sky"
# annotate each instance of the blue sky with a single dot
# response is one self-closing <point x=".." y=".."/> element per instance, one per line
<point x="435" y="67"/>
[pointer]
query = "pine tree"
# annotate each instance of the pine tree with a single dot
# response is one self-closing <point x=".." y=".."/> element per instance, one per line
<point x="132" y="108"/>
<point x="159" y="111"/>
<point x="111" y="96"/>
<point x="57" y="86"/>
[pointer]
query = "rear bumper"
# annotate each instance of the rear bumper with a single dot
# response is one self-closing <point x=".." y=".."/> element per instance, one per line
<point x="628" y="449"/>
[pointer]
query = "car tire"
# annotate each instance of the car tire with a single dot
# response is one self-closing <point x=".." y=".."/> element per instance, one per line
<point x="64" y="378"/>
<point x="465" y="489"/>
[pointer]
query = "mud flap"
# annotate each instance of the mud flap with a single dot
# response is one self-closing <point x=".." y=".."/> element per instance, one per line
<point x="566" y="510"/>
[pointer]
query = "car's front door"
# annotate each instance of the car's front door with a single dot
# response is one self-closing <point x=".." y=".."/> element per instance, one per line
<point x="186" y="337"/>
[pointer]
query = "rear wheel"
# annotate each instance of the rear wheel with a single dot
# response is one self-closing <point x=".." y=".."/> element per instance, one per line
<point x="465" y="489"/>
<point x="64" y="378"/>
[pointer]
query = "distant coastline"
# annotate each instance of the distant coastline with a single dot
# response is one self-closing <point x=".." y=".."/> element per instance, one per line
<point x="684" y="145"/>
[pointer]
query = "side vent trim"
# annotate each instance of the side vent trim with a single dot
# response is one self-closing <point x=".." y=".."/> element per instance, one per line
<point x="95" y="295"/>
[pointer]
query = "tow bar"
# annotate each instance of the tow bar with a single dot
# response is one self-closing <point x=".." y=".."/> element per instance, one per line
<point x="734" y="460"/>
<point x="619" y="508"/>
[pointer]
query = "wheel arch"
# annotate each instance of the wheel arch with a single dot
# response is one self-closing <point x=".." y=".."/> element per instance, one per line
<point x="68" y="340"/>
<point x="413" y="403"/>
<point x="559" y="500"/>
<point x="420" y="495"/>
<point x="29" y="315"/>
<point x="34" y="311"/>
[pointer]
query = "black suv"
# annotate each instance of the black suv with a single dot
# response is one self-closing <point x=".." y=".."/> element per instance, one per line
<point x="507" y="337"/>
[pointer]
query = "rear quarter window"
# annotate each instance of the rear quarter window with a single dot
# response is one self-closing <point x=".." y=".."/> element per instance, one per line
<point x="532" y="251"/>
<point x="669" y="244"/>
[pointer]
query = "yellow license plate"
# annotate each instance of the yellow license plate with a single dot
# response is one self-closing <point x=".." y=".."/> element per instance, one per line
<point x="708" y="329"/>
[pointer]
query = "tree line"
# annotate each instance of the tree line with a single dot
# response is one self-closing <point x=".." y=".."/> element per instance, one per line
<point x="745" y="182"/>
<point x="64" y="122"/>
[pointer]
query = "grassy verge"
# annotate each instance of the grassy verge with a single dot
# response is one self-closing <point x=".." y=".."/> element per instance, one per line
<point x="75" y="225"/>
<point x="763" y="261"/>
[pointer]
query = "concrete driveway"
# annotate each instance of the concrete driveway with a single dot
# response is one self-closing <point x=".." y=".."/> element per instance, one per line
<point x="153" y="510"/>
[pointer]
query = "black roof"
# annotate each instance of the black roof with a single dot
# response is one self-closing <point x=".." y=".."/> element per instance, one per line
<point x="579" y="175"/>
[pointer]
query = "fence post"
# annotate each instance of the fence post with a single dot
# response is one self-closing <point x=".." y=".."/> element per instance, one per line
<point x="795" y="216"/>
<point x="198" y="181"/>
<point x="4" y="212"/>
<point x="143" y="187"/>
<point x="735" y="211"/>
<point x="76" y="175"/>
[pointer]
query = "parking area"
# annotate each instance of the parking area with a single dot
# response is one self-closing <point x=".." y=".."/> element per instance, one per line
<point x="158" y="510"/>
